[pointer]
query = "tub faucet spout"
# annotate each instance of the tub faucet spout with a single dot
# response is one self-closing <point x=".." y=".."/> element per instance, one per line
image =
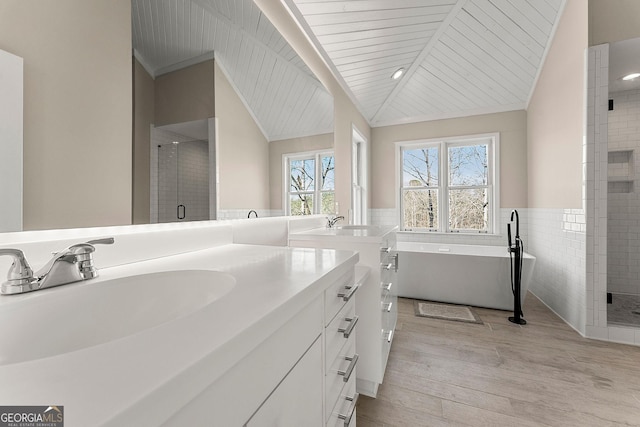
<point x="517" y="222"/>
<point x="331" y="222"/>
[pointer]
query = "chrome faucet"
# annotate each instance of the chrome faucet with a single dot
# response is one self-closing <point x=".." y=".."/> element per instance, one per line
<point x="72" y="264"/>
<point x="332" y="221"/>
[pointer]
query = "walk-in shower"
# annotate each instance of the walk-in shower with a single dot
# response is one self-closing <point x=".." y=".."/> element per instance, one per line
<point x="182" y="173"/>
<point x="623" y="187"/>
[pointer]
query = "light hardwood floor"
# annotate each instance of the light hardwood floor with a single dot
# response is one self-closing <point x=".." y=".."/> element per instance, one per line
<point x="443" y="373"/>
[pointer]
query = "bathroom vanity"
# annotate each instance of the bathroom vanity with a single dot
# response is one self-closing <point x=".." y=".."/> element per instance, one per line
<point x="376" y="302"/>
<point x="221" y="334"/>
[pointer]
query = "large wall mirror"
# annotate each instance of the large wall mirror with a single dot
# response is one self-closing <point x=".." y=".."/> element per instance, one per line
<point x="216" y="87"/>
<point x="225" y="60"/>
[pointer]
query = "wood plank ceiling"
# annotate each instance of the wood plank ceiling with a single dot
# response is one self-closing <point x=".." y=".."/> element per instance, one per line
<point x="461" y="57"/>
<point x="280" y="91"/>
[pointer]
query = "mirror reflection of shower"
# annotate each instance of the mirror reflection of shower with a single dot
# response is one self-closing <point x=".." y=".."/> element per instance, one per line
<point x="183" y="172"/>
<point x="623" y="187"/>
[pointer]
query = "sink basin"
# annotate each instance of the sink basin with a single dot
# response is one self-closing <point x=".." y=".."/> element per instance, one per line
<point x="355" y="227"/>
<point x="63" y="320"/>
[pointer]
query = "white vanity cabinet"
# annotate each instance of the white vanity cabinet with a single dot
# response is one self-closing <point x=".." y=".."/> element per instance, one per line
<point x="388" y="295"/>
<point x="264" y="385"/>
<point x="284" y="380"/>
<point x="341" y="357"/>
<point x="287" y="405"/>
<point x="376" y="300"/>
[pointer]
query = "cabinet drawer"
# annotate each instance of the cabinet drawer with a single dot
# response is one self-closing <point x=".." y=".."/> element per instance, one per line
<point x="344" y="412"/>
<point x="341" y="329"/>
<point x="342" y="291"/>
<point x="386" y="338"/>
<point x="343" y="368"/>
<point x="277" y="410"/>
<point x="387" y="288"/>
<point x="390" y="313"/>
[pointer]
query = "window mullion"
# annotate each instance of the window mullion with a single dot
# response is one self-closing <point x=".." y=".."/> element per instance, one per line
<point x="444" y="193"/>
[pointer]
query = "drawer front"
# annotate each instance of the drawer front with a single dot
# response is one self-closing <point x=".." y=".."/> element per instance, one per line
<point x="344" y="412"/>
<point x="341" y="371"/>
<point x="341" y="329"/>
<point x="386" y="338"/>
<point x="389" y="312"/>
<point x="341" y="292"/>
<point x="387" y="288"/>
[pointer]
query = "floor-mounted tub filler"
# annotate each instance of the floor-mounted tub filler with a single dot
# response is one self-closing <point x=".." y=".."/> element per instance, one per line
<point x="460" y="274"/>
<point x="516" y="253"/>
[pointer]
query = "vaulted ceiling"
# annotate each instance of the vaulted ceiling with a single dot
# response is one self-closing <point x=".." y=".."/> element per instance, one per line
<point x="276" y="86"/>
<point x="461" y="57"/>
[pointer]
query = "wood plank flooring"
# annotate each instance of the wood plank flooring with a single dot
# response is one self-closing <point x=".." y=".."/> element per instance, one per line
<point x="445" y="373"/>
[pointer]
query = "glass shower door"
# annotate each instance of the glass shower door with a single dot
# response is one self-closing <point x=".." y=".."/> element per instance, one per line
<point x="183" y="181"/>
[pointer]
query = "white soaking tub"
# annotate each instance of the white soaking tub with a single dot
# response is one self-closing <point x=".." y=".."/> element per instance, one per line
<point x="460" y="274"/>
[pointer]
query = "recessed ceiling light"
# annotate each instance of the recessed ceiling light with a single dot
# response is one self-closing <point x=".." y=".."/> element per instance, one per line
<point x="397" y="74"/>
<point x="175" y="142"/>
<point x="631" y="76"/>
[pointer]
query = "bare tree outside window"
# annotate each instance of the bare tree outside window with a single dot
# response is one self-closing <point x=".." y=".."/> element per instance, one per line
<point x="461" y="195"/>
<point x="468" y="184"/>
<point x="303" y="189"/>
<point x="420" y="188"/>
<point x="327" y="193"/>
<point x="302" y="186"/>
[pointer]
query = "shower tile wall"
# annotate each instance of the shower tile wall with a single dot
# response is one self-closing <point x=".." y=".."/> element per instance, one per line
<point x="193" y="179"/>
<point x="595" y="192"/>
<point x="557" y="238"/>
<point x="167" y="182"/>
<point x="623" y="201"/>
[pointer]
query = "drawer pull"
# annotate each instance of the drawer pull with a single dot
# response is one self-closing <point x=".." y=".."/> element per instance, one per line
<point x="395" y="262"/>
<point x="347" y="373"/>
<point x="389" y="336"/>
<point x="385" y="250"/>
<point x="387" y="266"/>
<point x="348" y="292"/>
<point x="387" y="286"/>
<point x="352" y="409"/>
<point x="387" y="307"/>
<point x="352" y="324"/>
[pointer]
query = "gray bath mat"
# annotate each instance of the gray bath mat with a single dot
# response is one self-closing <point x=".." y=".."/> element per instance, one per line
<point x="436" y="310"/>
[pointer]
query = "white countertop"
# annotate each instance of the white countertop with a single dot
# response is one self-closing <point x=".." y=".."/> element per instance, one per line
<point x="144" y="378"/>
<point x="370" y="233"/>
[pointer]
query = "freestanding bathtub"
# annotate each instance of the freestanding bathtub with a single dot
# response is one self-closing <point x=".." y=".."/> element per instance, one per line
<point x="460" y="274"/>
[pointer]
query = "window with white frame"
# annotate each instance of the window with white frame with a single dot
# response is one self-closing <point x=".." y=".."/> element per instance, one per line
<point x="310" y="183"/>
<point x="358" y="179"/>
<point x="449" y="185"/>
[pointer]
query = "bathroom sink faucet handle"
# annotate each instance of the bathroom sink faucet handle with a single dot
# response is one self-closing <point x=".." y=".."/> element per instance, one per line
<point x="105" y="241"/>
<point x="70" y="265"/>
<point x="80" y="254"/>
<point x="20" y="273"/>
<point x="83" y="255"/>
